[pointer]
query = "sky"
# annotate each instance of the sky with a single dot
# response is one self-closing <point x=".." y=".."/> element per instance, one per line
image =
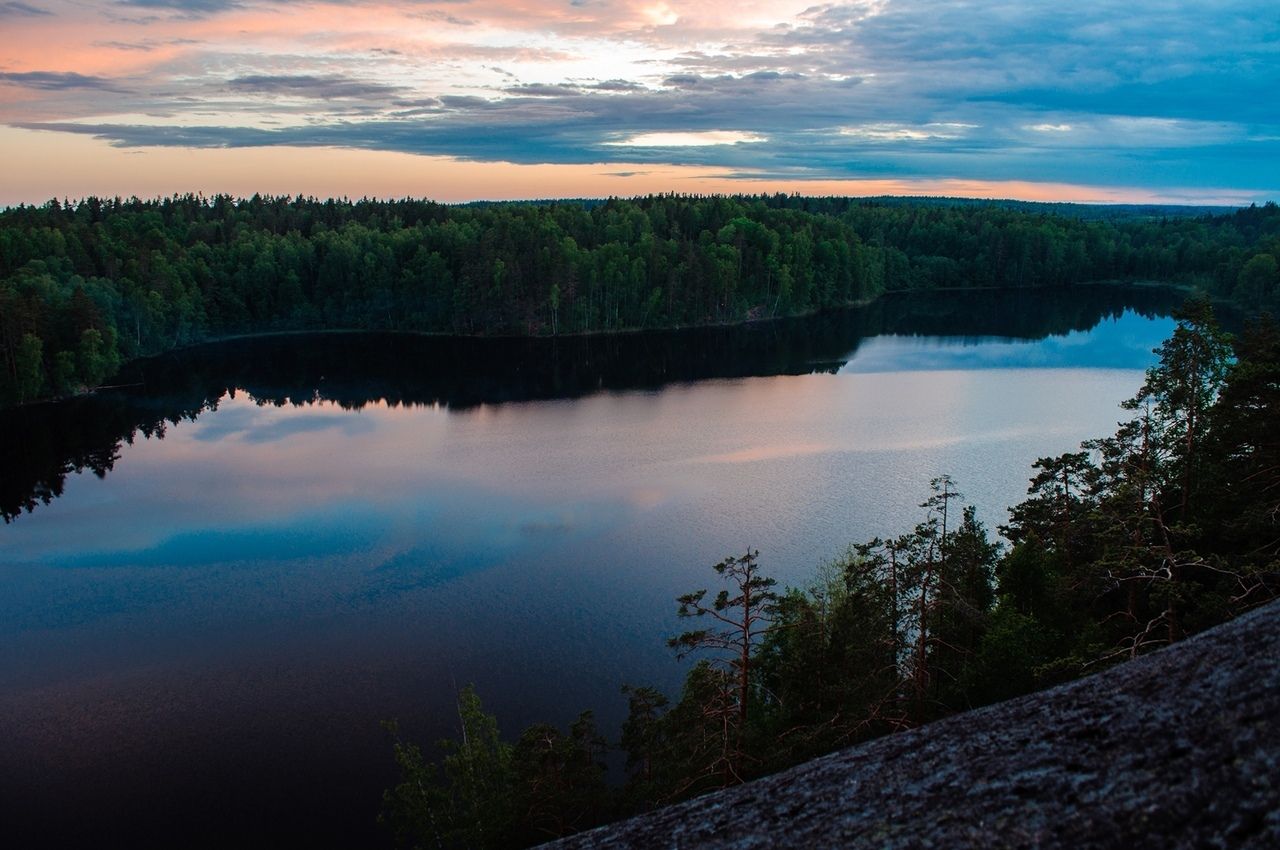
<point x="1100" y="101"/>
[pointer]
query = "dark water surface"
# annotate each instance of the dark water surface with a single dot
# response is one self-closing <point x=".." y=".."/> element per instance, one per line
<point x="215" y="586"/>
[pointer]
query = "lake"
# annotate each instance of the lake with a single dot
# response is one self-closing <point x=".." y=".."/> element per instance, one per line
<point x="215" y="584"/>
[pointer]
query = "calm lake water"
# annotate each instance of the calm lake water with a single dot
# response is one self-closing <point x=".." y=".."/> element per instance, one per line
<point x="214" y="586"/>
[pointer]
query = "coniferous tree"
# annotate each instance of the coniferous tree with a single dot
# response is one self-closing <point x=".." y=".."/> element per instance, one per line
<point x="740" y="616"/>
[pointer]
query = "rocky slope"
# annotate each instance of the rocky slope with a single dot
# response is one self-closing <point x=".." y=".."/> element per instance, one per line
<point x="1179" y="749"/>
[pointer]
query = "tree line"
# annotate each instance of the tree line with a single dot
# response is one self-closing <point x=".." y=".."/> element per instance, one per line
<point x="1136" y="541"/>
<point x="49" y="442"/>
<point x="86" y="286"/>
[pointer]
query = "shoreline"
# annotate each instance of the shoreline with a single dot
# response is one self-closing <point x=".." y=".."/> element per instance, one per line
<point x="631" y="331"/>
<point x="617" y="332"/>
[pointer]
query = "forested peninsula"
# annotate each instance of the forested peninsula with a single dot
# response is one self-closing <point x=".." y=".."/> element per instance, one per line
<point x="87" y="286"/>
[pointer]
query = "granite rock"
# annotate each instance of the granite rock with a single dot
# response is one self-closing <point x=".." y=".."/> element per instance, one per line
<point x="1177" y="749"/>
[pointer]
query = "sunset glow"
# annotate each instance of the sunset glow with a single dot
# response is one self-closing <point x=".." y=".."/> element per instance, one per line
<point x="464" y="99"/>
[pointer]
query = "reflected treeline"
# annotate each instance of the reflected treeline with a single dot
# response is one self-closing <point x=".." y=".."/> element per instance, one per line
<point x="44" y="443"/>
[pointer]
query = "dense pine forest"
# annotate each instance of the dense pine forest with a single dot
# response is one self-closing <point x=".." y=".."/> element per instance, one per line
<point x="87" y="286"/>
<point x="1141" y="538"/>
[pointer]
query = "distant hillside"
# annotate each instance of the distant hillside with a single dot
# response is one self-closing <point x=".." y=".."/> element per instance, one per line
<point x="1090" y="212"/>
<point x="1084" y="211"/>
<point x="89" y="285"/>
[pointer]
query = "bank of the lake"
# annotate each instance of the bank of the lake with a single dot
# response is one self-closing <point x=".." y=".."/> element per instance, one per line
<point x="88" y="286"/>
<point x="337" y="530"/>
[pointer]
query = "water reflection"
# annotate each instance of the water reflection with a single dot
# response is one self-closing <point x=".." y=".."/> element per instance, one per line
<point x="40" y="445"/>
<point x="302" y="536"/>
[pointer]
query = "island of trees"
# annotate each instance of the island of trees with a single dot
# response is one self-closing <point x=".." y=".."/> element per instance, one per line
<point x="1166" y="527"/>
<point x="86" y="286"/>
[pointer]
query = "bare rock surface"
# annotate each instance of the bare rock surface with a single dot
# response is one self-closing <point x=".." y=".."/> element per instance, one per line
<point x="1178" y="749"/>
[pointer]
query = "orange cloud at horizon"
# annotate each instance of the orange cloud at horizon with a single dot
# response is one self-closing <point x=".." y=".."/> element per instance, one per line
<point x="41" y="165"/>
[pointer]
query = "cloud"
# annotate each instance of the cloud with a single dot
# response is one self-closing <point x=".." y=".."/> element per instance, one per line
<point x="250" y="426"/>
<point x="191" y="7"/>
<point x="13" y="9"/>
<point x="58" y="81"/>
<point x="904" y="133"/>
<point x="307" y="85"/>
<point x="442" y="17"/>
<point x="1137" y="93"/>
<point x="703" y="138"/>
<point x="138" y="46"/>
<point x="544" y="90"/>
<point x="146" y="45"/>
<point x="615" y="85"/>
<point x="660" y="14"/>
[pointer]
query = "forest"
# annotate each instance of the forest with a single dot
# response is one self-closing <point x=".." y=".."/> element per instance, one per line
<point x="1141" y="538"/>
<point x="88" y="433"/>
<point x="88" y="286"/>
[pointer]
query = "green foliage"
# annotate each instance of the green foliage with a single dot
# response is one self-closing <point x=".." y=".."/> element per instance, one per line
<point x="96" y="357"/>
<point x="486" y="793"/>
<point x="1258" y="281"/>
<point x="1108" y="560"/>
<point x="153" y="275"/>
<point x="724" y="687"/>
<point x="648" y="741"/>
<point x="1241" y="487"/>
<point x="65" y="373"/>
<point x="465" y="801"/>
<point x="559" y="781"/>
<point x="832" y="668"/>
<point x="1140" y="539"/>
<point x="29" y="365"/>
<point x="885" y="638"/>
<point x="1010" y="657"/>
